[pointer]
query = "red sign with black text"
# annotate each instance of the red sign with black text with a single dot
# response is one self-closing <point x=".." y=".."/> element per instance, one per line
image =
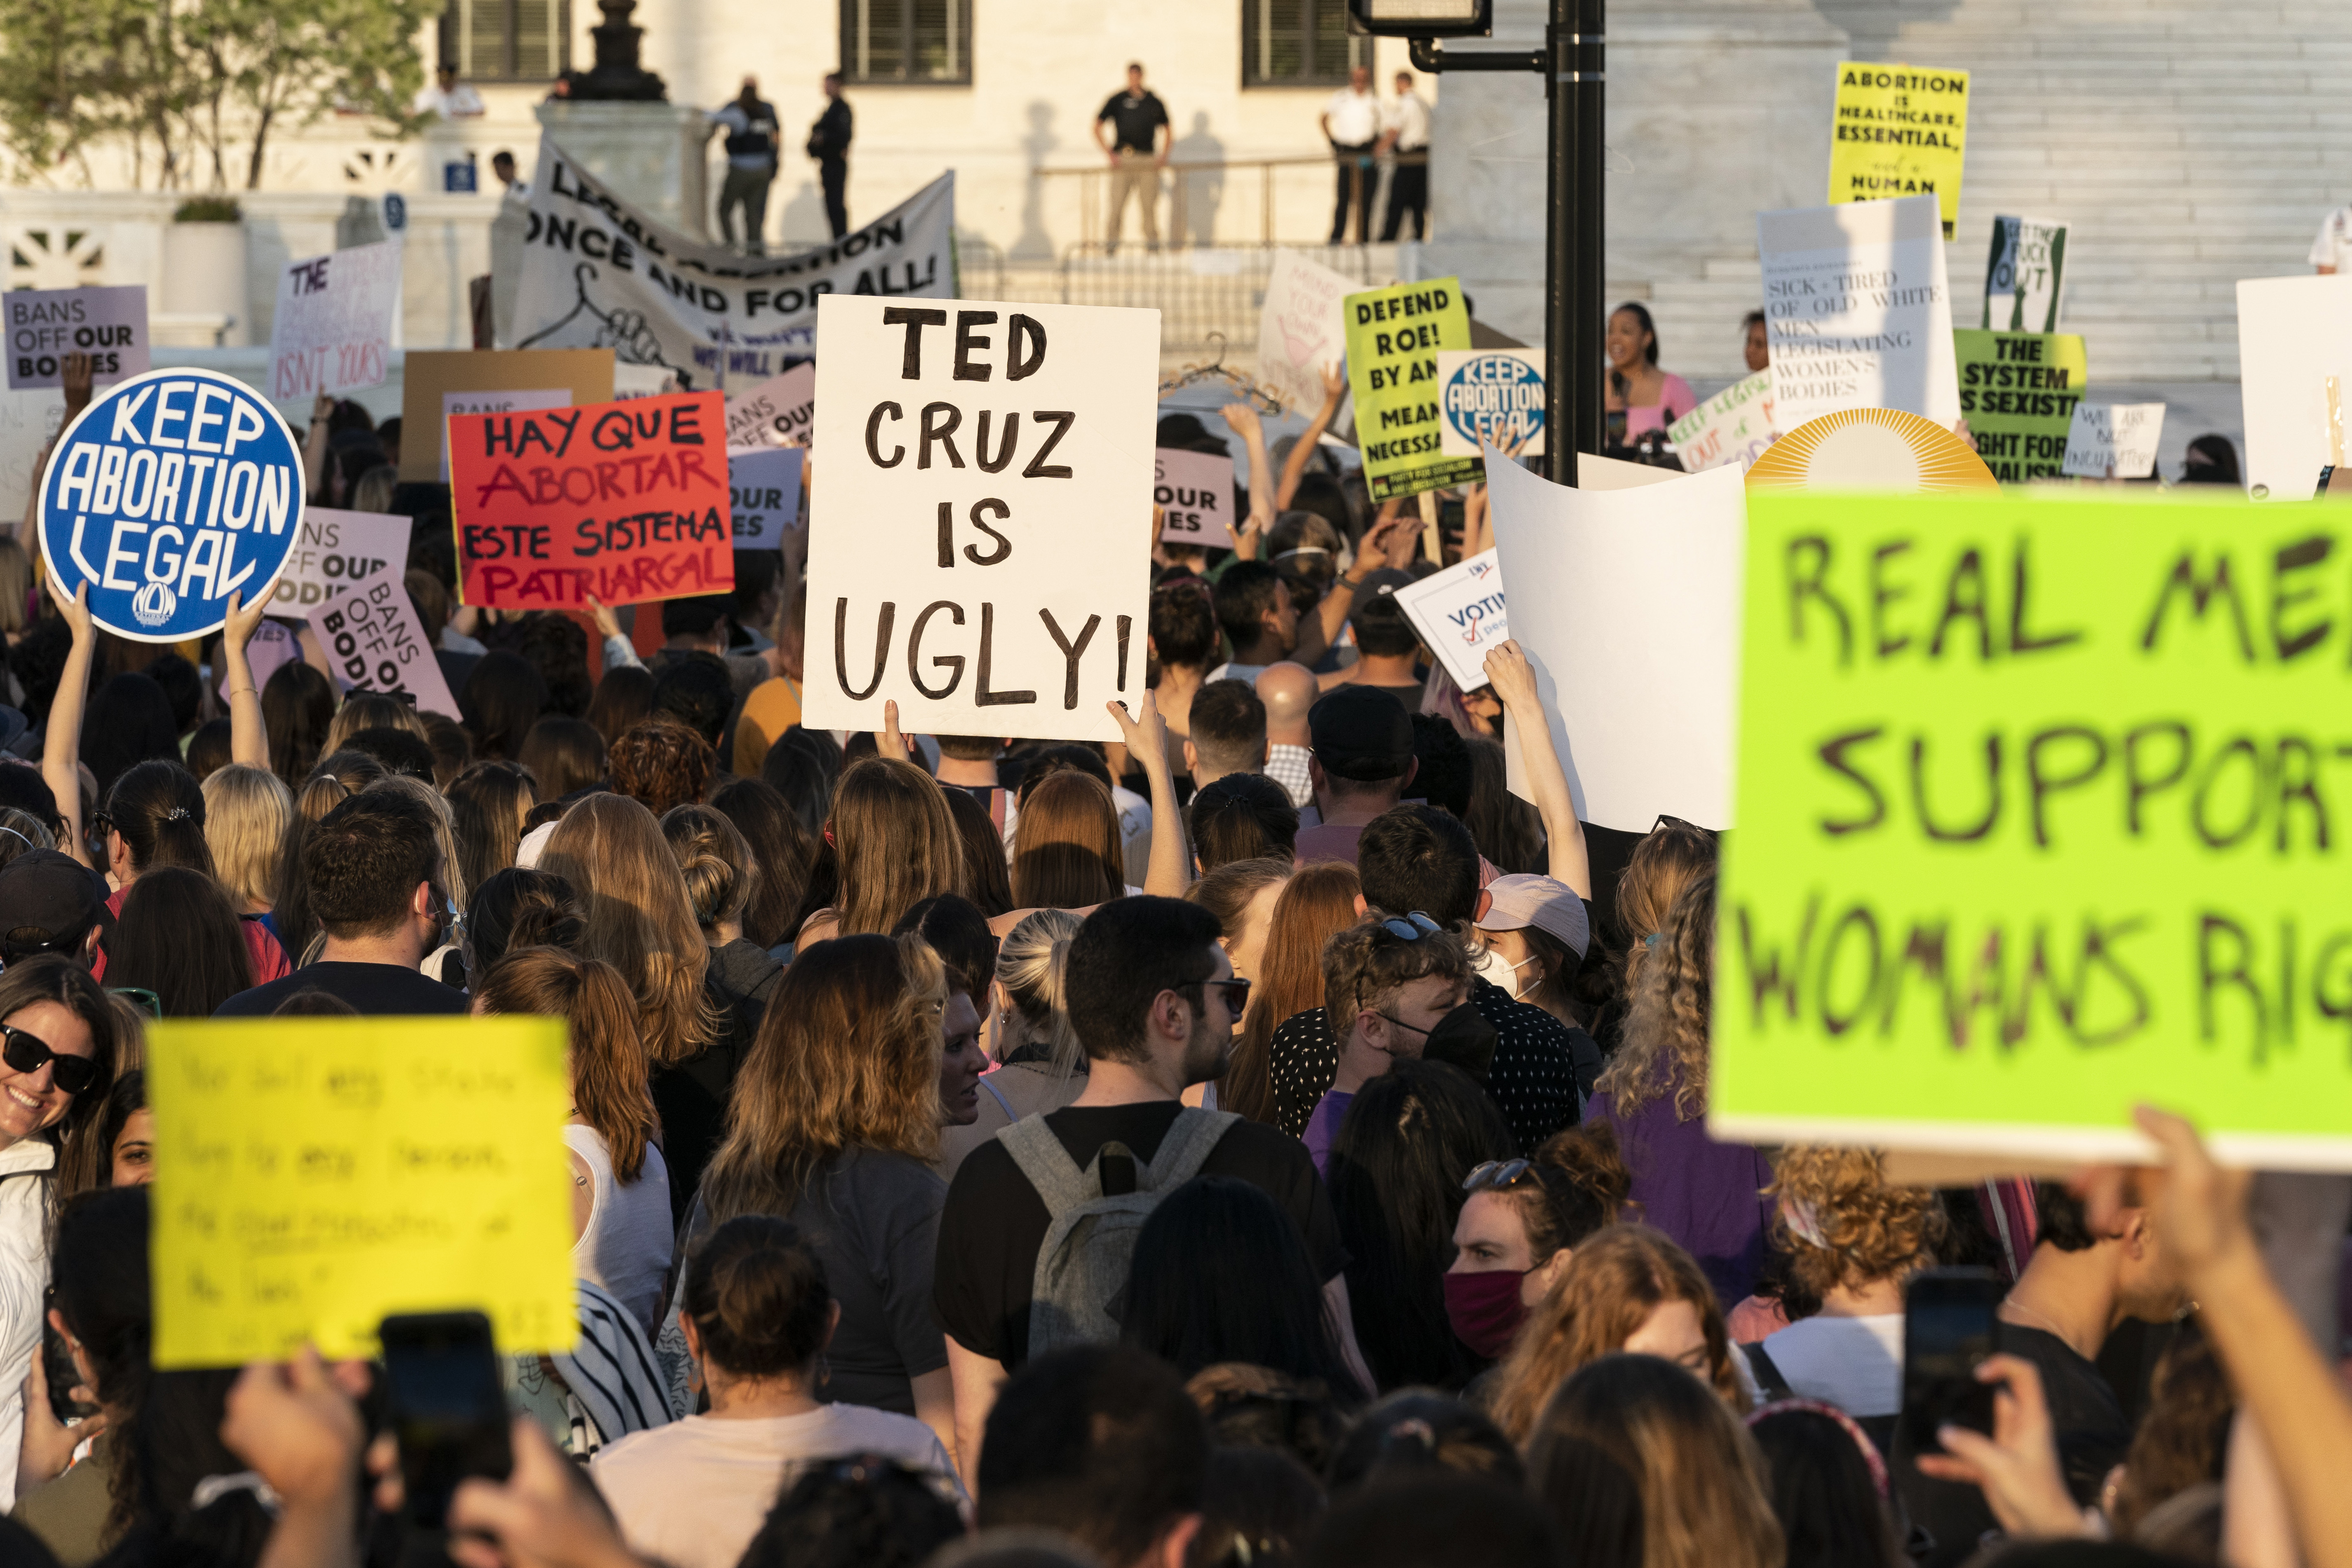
<point x="625" y="501"/>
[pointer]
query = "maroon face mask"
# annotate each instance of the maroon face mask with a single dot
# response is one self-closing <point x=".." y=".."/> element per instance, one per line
<point x="1486" y="1310"/>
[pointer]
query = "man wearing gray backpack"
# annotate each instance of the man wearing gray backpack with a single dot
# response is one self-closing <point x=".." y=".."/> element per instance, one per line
<point x="1040" y="1224"/>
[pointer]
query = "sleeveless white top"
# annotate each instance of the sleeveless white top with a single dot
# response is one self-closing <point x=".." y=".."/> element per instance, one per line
<point x="626" y="1247"/>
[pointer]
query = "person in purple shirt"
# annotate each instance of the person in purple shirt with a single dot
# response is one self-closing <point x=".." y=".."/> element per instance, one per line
<point x="1388" y="982"/>
<point x="1707" y="1195"/>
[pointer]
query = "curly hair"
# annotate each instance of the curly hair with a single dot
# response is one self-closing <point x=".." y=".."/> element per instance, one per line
<point x="1668" y="860"/>
<point x="1843" y="1224"/>
<point x="1615" y="1281"/>
<point x="1665" y="1025"/>
<point x="660" y="764"/>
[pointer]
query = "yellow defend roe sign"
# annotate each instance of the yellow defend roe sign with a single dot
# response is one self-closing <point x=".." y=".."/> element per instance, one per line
<point x="1393" y="338"/>
<point x="1900" y="131"/>
<point x="2045" y="809"/>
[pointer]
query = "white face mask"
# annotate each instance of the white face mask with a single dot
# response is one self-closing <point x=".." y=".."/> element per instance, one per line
<point x="1494" y="968"/>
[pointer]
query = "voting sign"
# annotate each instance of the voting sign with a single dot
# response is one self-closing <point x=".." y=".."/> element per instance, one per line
<point x="980" y="533"/>
<point x="2113" y="440"/>
<point x="1490" y="395"/>
<point x="776" y="413"/>
<point x="335" y="320"/>
<point x="1194" y="492"/>
<point x="764" y="489"/>
<point x="172" y="491"/>
<point x="1459" y="614"/>
<point x="45" y="325"/>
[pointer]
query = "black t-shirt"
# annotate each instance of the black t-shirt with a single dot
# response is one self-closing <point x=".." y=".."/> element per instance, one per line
<point x="2092" y="1434"/>
<point x="995" y="1222"/>
<point x="1135" y="118"/>
<point x="376" y="990"/>
<point x="1542" y="1073"/>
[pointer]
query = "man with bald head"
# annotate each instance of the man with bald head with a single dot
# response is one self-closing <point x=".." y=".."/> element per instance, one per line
<point x="1288" y="691"/>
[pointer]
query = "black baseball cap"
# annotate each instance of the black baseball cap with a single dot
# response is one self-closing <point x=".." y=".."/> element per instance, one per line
<point x="1361" y="733"/>
<point x="51" y="902"/>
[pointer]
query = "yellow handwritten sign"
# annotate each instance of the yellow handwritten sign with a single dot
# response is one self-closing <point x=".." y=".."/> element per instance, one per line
<point x="1394" y="335"/>
<point x="1900" y="131"/>
<point x="2045" y="809"/>
<point x="313" y="1174"/>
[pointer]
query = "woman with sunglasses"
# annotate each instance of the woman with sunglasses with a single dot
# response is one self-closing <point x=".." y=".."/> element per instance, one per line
<point x="61" y="1042"/>
<point x="1520" y="1223"/>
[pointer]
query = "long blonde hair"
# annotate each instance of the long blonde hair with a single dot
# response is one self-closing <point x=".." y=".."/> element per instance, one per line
<point x="1668" y="859"/>
<point x="1033" y="967"/>
<point x="639" y="919"/>
<point x="1666" y="1025"/>
<point x="895" y="842"/>
<point x="247" y="813"/>
<point x="848" y="1054"/>
<point x="1615" y="1280"/>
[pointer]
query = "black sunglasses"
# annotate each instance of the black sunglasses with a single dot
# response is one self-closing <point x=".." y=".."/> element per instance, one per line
<point x="1411" y="928"/>
<point x="1497" y="1176"/>
<point x="1236" y="997"/>
<point x="25" y="1053"/>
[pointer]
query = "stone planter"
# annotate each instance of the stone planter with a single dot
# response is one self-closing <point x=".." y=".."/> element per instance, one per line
<point x="203" y="272"/>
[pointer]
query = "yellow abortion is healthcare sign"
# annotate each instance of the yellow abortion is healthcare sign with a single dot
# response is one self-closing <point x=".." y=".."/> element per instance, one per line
<point x="2018" y="392"/>
<point x="314" y="1174"/>
<point x="2044" y="810"/>
<point x="1394" y="335"/>
<point x="1900" y="131"/>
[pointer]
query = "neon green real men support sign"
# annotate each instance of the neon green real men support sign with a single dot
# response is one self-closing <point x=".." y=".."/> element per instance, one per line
<point x="2044" y="810"/>
<point x="1393" y="336"/>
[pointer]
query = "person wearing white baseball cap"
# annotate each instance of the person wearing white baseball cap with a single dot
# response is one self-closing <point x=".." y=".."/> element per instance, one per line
<point x="1539" y="928"/>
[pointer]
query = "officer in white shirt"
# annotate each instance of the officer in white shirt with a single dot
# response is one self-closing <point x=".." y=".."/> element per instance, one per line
<point x="2332" y="248"/>
<point x="1351" y="123"/>
<point x="1404" y="136"/>
<point x="449" y="97"/>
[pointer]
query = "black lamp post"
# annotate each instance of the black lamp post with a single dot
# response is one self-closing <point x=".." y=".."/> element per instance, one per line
<point x="1574" y="306"/>
<point x="616" y="77"/>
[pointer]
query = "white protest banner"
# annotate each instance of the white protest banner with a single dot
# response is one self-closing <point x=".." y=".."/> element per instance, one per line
<point x="599" y="273"/>
<point x="1459" y="614"/>
<point x="2113" y="440"/>
<point x="763" y="490"/>
<point x="520" y="400"/>
<point x="1194" y="491"/>
<point x="1735" y="426"/>
<point x="27" y="421"/>
<point x="375" y="643"/>
<point x="1491" y="395"/>
<point x="335" y="320"/>
<point x="1302" y="331"/>
<point x="45" y="325"/>
<point x="2025" y="279"/>
<point x="335" y="549"/>
<point x="631" y="380"/>
<point x="2295" y="375"/>
<point x="1628" y="604"/>
<point x="775" y="413"/>
<point x="980" y="531"/>
<point x="1859" y="310"/>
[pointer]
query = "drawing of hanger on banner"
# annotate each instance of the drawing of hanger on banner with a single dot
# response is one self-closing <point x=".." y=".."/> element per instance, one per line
<point x="1245" y="387"/>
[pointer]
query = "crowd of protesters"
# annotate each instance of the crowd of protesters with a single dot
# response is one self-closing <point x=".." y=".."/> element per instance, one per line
<point x="1266" y="1139"/>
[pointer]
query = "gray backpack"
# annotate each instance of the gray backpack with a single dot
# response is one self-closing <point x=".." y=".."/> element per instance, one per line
<point x="1082" y="1263"/>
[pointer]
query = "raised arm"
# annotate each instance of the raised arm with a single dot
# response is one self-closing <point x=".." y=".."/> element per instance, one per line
<point x="314" y="446"/>
<point x="1514" y="680"/>
<point x="1335" y="388"/>
<point x="1243" y="420"/>
<point x="249" y="737"/>
<point x="1371" y="555"/>
<point x="2199" y="1213"/>
<point x="61" y="744"/>
<point x="1147" y="743"/>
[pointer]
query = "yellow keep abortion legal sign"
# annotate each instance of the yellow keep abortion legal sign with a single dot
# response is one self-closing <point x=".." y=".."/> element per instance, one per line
<point x="2045" y="809"/>
<point x="314" y="1174"/>
<point x="1899" y="132"/>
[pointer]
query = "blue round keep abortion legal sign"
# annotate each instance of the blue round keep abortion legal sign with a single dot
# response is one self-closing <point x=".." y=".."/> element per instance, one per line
<point x="172" y="491"/>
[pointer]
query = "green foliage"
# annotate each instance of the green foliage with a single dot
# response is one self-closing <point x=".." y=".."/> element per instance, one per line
<point x="195" y="89"/>
<point x="206" y="209"/>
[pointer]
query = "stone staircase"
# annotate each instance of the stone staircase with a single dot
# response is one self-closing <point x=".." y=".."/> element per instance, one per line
<point x="2188" y="144"/>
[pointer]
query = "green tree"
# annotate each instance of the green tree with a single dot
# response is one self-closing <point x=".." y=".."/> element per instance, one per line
<point x="280" y="65"/>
